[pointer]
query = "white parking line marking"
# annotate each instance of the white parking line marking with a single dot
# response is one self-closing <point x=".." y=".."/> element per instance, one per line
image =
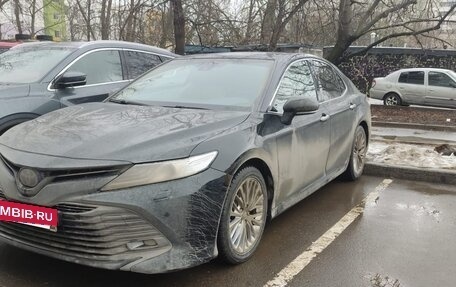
<point x="299" y="263"/>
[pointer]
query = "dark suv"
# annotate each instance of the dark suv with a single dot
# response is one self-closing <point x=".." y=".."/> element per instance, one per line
<point x="36" y="78"/>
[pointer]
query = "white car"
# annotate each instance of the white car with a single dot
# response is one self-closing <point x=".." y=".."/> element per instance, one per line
<point x="426" y="86"/>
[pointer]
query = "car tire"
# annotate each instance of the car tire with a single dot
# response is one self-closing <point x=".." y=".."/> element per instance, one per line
<point x="357" y="155"/>
<point x="242" y="223"/>
<point x="392" y="99"/>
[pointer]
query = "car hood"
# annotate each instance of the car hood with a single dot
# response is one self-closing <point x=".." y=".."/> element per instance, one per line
<point x="14" y="90"/>
<point x="108" y="131"/>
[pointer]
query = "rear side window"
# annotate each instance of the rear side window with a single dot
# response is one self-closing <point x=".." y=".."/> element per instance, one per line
<point x="440" y="80"/>
<point x="138" y="63"/>
<point x="330" y="85"/>
<point x="100" y="67"/>
<point x="416" y="78"/>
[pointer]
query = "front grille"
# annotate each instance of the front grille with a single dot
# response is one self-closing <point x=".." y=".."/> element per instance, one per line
<point x="59" y="175"/>
<point x="100" y="233"/>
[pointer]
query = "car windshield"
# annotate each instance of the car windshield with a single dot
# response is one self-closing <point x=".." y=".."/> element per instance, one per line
<point x="204" y="83"/>
<point x="30" y="63"/>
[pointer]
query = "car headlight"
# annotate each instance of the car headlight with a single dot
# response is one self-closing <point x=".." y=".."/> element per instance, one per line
<point x="148" y="173"/>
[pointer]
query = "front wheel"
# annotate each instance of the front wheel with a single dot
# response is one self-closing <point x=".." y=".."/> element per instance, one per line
<point x="358" y="155"/>
<point x="243" y="216"/>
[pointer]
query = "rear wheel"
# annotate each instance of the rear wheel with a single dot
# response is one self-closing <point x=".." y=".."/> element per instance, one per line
<point x="243" y="216"/>
<point x="358" y="155"/>
<point x="392" y="99"/>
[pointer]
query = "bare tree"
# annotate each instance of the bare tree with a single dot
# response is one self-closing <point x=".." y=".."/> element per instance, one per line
<point x="278" y="14"/>
<point x="359" y="18"/>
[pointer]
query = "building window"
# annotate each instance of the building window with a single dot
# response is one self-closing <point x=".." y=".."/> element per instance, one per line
<point x="57" y="34"/>
<point x="56" y="16"/>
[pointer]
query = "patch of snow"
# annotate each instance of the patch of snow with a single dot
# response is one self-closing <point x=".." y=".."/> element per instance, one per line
<point x="395" y="153"/>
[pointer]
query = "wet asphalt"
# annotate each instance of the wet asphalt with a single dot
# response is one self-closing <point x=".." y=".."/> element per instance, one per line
<point x="406" y="239"/>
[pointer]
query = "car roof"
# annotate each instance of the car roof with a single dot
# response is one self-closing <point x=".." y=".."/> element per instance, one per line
<point x="422" y="69"/>
<point x="104" y="44"/>
<point x="250" y="55"/>
<point x="8" y="44"/>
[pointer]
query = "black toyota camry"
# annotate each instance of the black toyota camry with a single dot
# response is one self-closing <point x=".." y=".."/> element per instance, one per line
<point x="186" y="163"/>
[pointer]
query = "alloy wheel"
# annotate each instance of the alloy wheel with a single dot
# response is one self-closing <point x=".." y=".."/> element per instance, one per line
<point x="359" y="151"/>
<point x="247" y="216"/>
<point x="391" y="100"/>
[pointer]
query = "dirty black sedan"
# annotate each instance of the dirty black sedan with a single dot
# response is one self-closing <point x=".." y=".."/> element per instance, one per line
<point x="186" y="163"/>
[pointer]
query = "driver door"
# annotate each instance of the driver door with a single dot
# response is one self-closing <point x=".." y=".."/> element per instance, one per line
<point x="303" y="146"/>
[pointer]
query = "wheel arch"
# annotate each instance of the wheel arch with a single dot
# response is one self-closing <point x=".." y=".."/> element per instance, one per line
<point x="365" y="126"/>
<point x="10" y="121"/>
<point x="265" y="170"/>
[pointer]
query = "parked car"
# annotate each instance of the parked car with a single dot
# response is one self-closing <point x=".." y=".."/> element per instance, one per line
<point x="429" y="87"/>
<point x="185" y="163"/>
<point x="5" y="46"/>
<point x="36" y="78"/>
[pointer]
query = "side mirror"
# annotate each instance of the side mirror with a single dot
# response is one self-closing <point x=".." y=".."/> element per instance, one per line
<point x="70" y="79"/>
<point x="298" y="106"/>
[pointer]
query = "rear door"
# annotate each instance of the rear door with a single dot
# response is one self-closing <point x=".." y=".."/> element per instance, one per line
<point x="411" y="86"/>
<point x="105" y="75"/>
<point x="441" y="90"/>
<point x="342" y="111"/>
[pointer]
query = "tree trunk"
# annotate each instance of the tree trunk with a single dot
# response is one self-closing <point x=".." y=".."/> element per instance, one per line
<point x="344" y="32"/>
<point x="248" y="30"/>
<point x="33" y="18"/>
<point x="179" y="26"/>
<point x="105" y="19"/>
<point x="129" y="28"/>
<point x="89" y="27"/>
<point x="268" y="22"/>
<point x="17" y="15"/>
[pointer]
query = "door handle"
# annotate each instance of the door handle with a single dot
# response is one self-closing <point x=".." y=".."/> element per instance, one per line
<point x="352" y="106"/>
<point x="324" y="118"/>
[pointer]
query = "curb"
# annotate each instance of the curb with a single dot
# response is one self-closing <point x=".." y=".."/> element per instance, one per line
<point x="411" y="173"/>
<point x="410" y="140"/>
<point x="415" y="126"/>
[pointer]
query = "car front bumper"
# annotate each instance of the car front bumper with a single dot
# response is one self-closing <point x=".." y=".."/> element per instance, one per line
<point x="149" y="229"/>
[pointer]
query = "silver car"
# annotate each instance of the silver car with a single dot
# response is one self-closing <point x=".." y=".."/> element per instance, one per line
<point x="426" y="86"/>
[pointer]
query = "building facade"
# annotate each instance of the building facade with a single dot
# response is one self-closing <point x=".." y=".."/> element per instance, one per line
<point x="39" y="17"/>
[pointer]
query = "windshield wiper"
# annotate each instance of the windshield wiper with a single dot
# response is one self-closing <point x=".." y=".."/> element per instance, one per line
<point x="124" y="102"/>
<point x="185" y="107"/>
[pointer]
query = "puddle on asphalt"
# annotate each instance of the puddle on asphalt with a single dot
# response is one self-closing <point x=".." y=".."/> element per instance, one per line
<point x="421" y="210"/>
<point x="378" y="280"/>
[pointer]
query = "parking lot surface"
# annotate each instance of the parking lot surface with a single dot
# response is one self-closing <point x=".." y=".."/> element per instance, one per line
<point x="401" y="234"/>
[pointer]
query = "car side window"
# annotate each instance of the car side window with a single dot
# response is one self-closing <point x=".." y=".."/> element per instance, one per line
<point x="329" y="83"/>
<point x="297" y="81"/>
<point x="99" y="67"/>
<point x="415" y="78"/>
<point x="440" y="80"/>
<point x="139" y="63"/>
